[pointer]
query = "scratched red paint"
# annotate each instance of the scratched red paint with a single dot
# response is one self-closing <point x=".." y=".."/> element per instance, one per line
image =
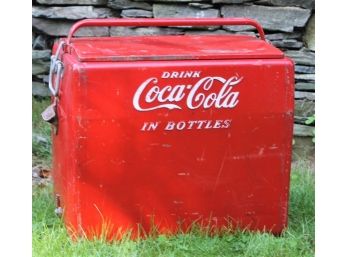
<point x="170" y="130"/>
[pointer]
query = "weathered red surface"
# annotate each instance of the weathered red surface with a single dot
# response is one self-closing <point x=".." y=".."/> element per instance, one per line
<point x="208" y="47"/>
<point x="170" y="142"/>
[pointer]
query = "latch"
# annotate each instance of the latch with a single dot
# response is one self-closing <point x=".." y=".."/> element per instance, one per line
<point x="56" y="70"/>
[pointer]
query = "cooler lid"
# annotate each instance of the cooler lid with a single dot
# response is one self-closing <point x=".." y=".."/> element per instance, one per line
<point x="182" y="47"/>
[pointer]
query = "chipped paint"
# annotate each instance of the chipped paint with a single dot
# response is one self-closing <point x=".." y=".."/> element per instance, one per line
<point x="273" y="147"/>
<point x="261" y="151"/>
<point x="184" y="174"/>
<point x="220" y="170"/>
<point x="201" y="158"/>
<point x="178" y="202"/>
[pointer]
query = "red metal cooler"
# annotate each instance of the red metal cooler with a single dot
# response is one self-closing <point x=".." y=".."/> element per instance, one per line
<point x="167" y="131"/>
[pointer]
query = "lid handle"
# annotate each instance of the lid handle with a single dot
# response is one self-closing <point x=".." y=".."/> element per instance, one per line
<point x="164" y="22"/>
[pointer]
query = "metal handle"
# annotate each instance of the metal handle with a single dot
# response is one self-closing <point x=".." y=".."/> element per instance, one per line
<point x="164" y="22"/>
<point x="57" y="68"/>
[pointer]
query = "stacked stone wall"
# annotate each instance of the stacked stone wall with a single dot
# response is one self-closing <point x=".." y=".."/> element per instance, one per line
<point x="289" y="25"/>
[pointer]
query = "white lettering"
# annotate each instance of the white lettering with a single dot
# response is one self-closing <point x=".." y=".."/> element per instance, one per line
<point x="148" y="98"/>
<point x="170" y="125"/>
<point x="206" y="93"/>
<point x="165" y="75"/>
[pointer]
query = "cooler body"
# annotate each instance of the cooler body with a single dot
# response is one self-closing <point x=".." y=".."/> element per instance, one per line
<point x="165" y="144"/>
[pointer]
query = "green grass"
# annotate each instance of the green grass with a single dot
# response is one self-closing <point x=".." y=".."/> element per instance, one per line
<point x="50" y="237"/>
<point x="41" y="150"/>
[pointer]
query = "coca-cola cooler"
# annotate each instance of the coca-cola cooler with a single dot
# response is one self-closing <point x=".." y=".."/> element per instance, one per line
<point x="163" y="132"/>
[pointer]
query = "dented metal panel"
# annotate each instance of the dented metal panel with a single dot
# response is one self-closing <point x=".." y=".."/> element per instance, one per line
<point x="166" y="143"/>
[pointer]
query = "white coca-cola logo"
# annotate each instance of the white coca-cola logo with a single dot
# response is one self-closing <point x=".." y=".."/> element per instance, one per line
<point x="193" y="96"/>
